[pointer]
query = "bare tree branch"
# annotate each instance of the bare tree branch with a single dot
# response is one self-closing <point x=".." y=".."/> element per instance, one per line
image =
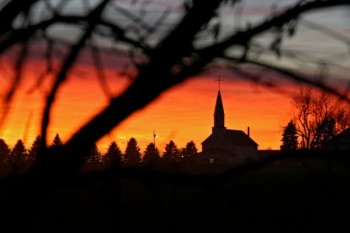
<point x="22" y="56"/>
<point x="295" y="76"/>
<point x="9" y="12"/>
<point x="23" y="34"/>
<point x="95" y="53"/>
<point x="152" y="80"/>
<point x="327" y="31"/>
<point x="68" y="63"/>
<point x="242" y="38"/>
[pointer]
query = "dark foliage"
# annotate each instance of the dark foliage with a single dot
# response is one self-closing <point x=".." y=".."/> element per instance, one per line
<point x="57" y="142"/>
<point x="150" y="155"/>
<point x="289" y="138"/>
<point x="132" y="155"/>
<point x="17" y="156"/>
<point x="18" y="153"/>
<point x="34" y="150"/>
<point x="4" y="150"/>
<point x="95" y="155"/>
<point x="190" y="151"/>
<point x="324" y="134"/>
<point x="113" y="155"/>
<point x="171" y="153"/>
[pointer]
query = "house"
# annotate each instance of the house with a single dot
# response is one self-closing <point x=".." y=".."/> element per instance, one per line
<point x="341" y="142"/>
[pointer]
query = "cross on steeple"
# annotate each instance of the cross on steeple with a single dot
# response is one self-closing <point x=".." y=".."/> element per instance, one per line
<point x="219" y="80"/>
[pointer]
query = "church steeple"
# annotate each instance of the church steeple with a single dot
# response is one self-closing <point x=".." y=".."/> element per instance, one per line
<point x="219" y="115"/>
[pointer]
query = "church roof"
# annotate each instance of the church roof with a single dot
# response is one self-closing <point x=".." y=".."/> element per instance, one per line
<point x="235" y="137"/>
<point x="238" y="137"/>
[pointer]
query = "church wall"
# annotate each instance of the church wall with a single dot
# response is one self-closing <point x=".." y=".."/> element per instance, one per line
<point x="216" y="142"/>
<point x="235" y="154"/>
<point x="241" y="153"/>
<point x="249" y="152"/>
<point x="216" y="157"/>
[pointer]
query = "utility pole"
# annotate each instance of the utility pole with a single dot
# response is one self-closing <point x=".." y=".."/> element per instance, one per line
<point x="154" y="138"/>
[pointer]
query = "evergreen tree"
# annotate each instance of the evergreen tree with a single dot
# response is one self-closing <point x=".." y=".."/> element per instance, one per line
<point x="171" y="153"/>
<point x="289" y="137"/>
<point x="132" y="156"/>
<point x="113" y="154"/>
<point x="17" y="155"/>
<point x="4" y="150"/>
<point x="33" y="151"/>
<point x="57" y="142"/>
<point x="324" y="134"/>
<point x="151" y="154"/>
<point x="190" y="151"/>
<point x="95" y="155"/>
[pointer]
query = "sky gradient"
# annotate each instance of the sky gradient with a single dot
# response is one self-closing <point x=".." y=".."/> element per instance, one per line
<point x="182" y="114"/>
<point x="185" y="112"/>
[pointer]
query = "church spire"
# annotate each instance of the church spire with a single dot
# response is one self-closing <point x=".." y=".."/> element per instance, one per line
<point x="219" y="115"/>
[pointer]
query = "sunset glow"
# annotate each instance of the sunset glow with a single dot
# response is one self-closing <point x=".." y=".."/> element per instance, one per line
<point x="182" y="114"/>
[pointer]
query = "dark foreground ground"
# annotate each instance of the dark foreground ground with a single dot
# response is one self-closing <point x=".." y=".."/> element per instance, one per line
<point x="294" y="194"/>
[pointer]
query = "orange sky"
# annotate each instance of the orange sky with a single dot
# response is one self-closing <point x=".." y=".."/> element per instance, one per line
<point x="182" y="114"/>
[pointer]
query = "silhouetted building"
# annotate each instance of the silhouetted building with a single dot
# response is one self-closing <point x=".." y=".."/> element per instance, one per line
<point x="341" y="142"/>
<point x="226" y="145"/>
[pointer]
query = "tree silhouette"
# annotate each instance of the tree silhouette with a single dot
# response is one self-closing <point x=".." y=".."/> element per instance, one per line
<point x="289" y="138"/>
<point x="34" y="150"/>
<point x="150" y="155"/>
<point x="95" y="155"/>
<point x="190" y="151"/>
<point x="17" y="156"/>
<point x="313" y="108"/>
<point x="57" y="142"/>
<point x="113" y="155"/>
<point x="132" y="155"/>
<point x="324" y="134"/>
<point x="171" y="153"/>
<point x="4" y="150"/>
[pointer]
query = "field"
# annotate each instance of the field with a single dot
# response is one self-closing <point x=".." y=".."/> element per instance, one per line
<point x="284" y="194"/>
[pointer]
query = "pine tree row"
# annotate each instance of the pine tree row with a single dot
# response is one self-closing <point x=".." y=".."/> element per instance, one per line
<point x="131" y="157"/>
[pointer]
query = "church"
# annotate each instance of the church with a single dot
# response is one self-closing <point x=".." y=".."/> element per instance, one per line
<point x="226" y="146"/>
